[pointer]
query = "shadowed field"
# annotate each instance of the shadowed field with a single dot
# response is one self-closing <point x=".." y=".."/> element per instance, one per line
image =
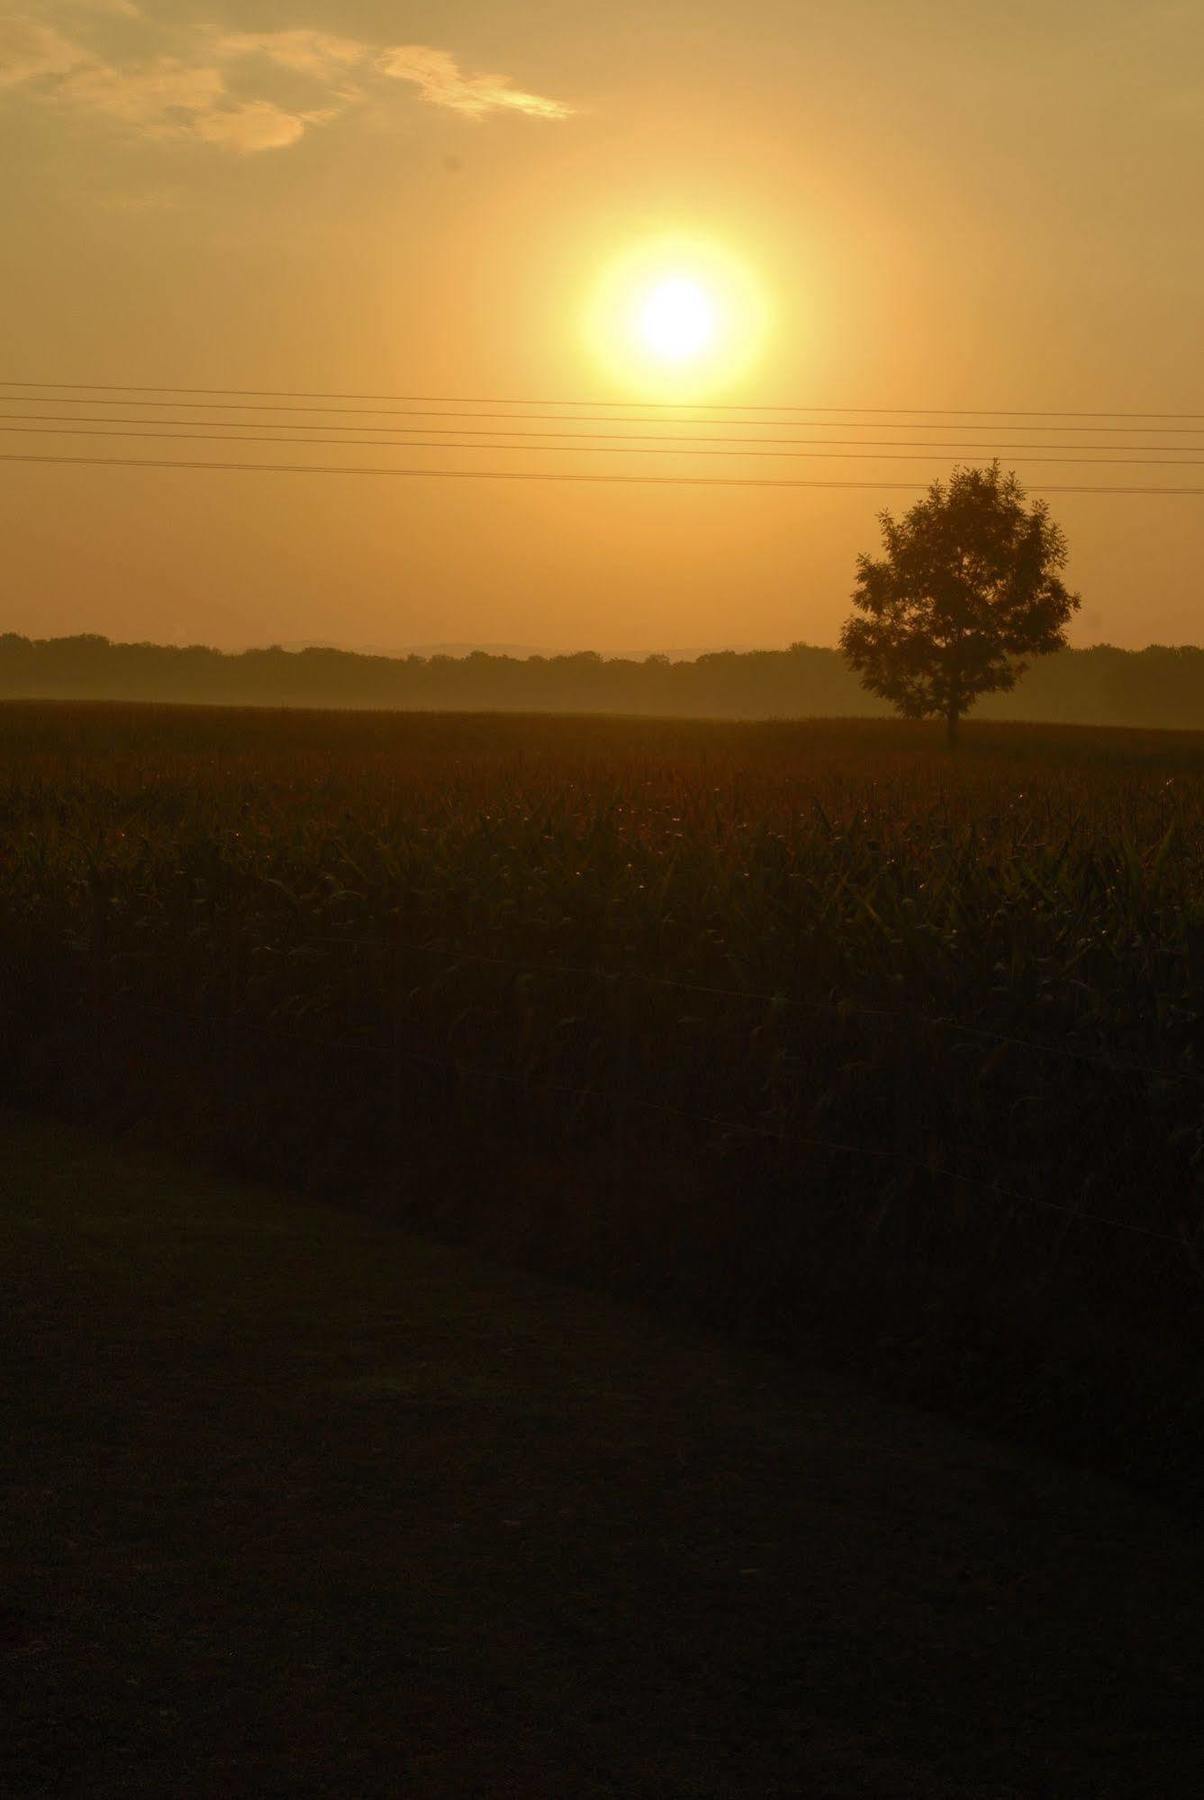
<point x="304" y="1506"/>
<point x="808" y="1028"/>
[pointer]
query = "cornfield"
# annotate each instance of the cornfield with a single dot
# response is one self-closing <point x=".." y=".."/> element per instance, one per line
<point x="809" y="1027"/>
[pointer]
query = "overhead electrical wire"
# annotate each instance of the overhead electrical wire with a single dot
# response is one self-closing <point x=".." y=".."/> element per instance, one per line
<point x="742" y="481"/>
<point x="560" y="418"/>
<point x="860" y="455"/>
<point x="735" y="444"/>
<point x="507" y="432"/>
<point x="646" y="405"/>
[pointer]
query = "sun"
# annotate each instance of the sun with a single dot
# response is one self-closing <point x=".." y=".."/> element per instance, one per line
<point x="676" y="317"/>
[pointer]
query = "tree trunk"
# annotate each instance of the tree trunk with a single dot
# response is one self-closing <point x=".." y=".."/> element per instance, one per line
<point x="952" y="718"/>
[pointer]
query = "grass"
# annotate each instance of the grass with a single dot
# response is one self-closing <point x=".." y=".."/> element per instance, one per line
<point x="805" y="1028"/>
<point x="300" y="1505"/>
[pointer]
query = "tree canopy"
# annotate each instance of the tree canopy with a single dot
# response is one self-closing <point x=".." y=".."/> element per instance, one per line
<point x="968" y="586"/>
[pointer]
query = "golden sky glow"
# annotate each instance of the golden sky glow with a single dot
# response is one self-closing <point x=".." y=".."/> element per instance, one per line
<point x="680" y="205"/>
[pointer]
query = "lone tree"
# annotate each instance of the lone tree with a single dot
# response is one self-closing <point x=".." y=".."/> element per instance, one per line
<point x="967" y="586"/>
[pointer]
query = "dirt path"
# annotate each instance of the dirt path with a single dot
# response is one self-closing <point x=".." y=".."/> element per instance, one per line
<point x="304" y="1506"/>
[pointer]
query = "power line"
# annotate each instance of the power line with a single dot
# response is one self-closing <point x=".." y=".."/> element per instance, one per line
<point x="744" y="481"/>
<point x="932" y="455"/>
<point x="637" y="437"/>
<point x="644" y="405"/>
<point x="562" y="418"/>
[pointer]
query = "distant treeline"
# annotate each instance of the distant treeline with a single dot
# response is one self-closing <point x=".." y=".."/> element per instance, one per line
<point x="1160" y="686"/>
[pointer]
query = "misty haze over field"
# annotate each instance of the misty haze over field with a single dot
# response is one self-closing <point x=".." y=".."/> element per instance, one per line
<point x="1162" y="685"/>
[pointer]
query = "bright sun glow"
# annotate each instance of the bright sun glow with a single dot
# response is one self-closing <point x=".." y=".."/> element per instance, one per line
<point x="678" y="317"/>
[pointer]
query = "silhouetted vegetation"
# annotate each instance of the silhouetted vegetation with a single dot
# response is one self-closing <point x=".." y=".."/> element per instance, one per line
<point x="800" y="1026"/>
<point x="967" y="587"/>
<point x="1160" y="686"/>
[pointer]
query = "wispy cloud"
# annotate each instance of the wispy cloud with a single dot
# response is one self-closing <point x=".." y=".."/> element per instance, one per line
<point x="162" y="95"/>
<point x="115" y="9"/>
<point x="255" y="125"/>
<point x="316" y="53"/>
<point x="439" y="78"/>
<point x="31" y="52"/>
<point x="216" y="87"/>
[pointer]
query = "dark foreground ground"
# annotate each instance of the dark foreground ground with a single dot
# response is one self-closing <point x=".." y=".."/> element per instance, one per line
<point x="305" y="1506"/>
<point x="806" y="1030"/>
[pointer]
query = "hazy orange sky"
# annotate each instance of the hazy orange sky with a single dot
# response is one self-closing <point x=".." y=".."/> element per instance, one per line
<point x="940" y="205"/>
